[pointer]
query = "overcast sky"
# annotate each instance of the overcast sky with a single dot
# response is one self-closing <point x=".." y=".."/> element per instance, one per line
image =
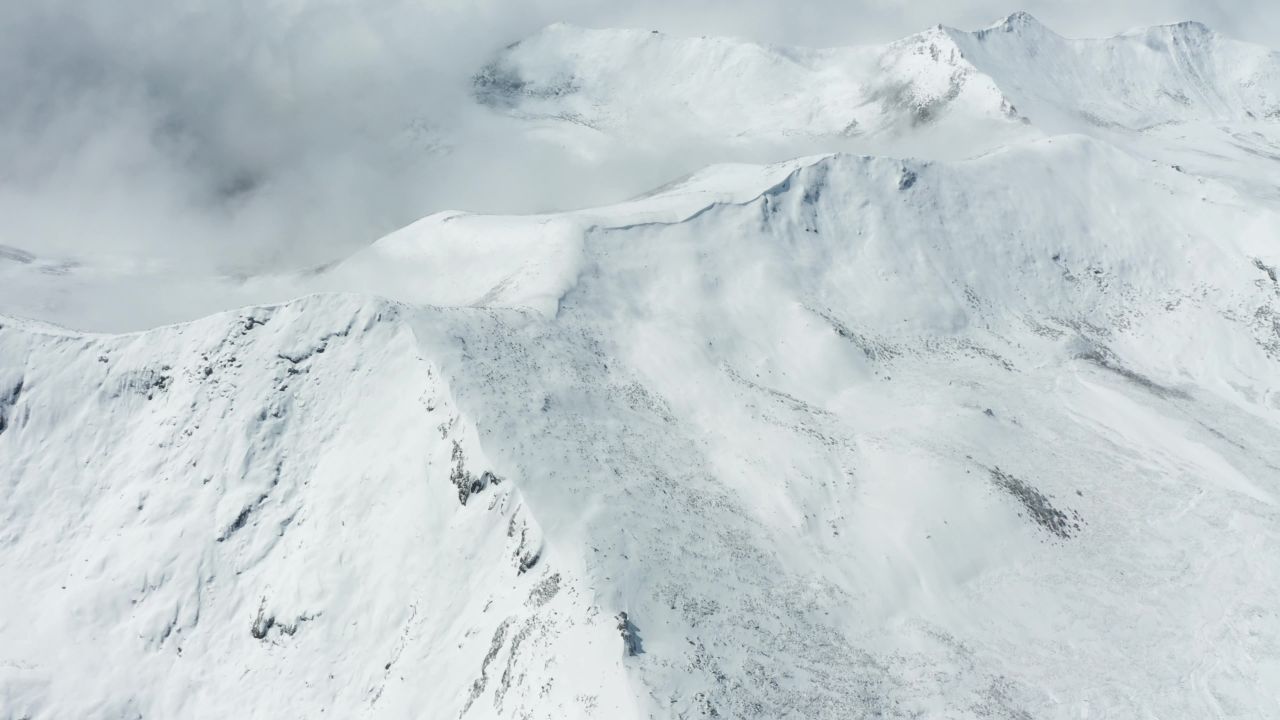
<point x="235" y="130"/>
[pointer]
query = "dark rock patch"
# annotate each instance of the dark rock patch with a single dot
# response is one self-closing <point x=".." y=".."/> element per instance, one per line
<point x="7" y="402"/>
<point x="631" y="642"/>
<point x="148" y="381"/>
<point x="1270" y="271"/>
<point x="495" y="646"/>
<point x="544" y="591"/>
<point x="263" y="624"/>
<point x="1106" y="360"/>
<point x="464" y="480"/>
<point x="1038" y="506"/>
<point x="13" y="254"/>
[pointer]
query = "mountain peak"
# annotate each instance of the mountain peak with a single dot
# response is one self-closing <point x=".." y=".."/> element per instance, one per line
<point x="1019" y="20"/>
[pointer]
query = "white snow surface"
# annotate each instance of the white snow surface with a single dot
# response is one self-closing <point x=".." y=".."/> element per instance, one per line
<point x="993" y="431"/>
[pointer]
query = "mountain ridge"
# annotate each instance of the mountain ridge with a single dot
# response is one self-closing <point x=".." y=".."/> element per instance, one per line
<point x="958" y="50"/>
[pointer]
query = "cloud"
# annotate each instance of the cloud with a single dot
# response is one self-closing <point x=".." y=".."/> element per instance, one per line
<point x="242" y="134"/>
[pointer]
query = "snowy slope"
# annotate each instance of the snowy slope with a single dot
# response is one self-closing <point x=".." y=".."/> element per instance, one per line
<point x="758" y="428"/>
<point x="267" y="512"/>
<point x="1142" y="78"/>
<point x="842" y="436"/>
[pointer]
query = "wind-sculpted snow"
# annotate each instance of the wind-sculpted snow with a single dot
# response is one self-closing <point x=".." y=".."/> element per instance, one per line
<point x="841" y="436"/>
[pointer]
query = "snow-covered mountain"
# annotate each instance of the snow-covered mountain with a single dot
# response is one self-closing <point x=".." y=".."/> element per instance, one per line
<point x="994" y="432"/>
<point x="647" y="85"/>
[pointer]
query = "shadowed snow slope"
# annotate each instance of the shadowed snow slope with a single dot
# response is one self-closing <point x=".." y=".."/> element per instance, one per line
<point x="842" y="436"/>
